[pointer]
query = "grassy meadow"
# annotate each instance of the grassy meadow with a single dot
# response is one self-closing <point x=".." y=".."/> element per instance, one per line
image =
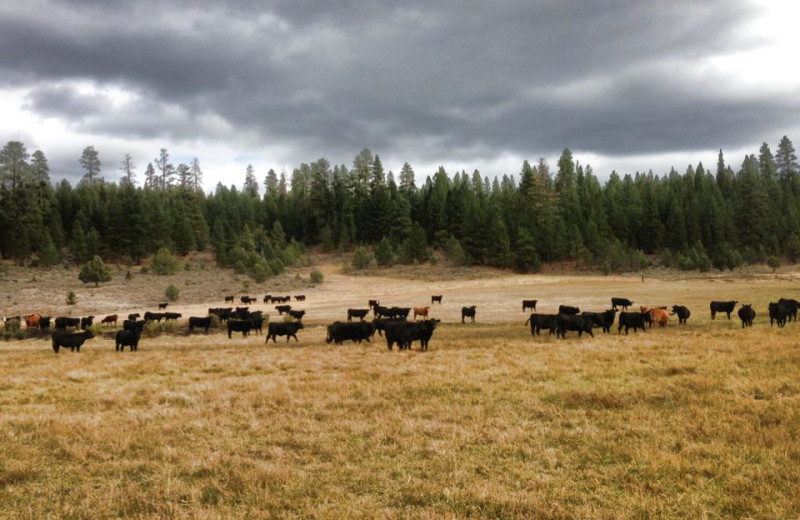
<point x="692" y="422"/>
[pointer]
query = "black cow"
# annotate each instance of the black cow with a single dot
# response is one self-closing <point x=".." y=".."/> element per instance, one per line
<point x="778" y="313"/>
<point x="529" y="304"/>
<point x="283" y="308"/>
<point x="380" y="324"/>
<point x="246" y="299"/>
<point x="373" y="303"/>
<point x="604" y="320"/>
<point x="44" y="323"/>
<point x="682" y="312"/>
<point x="62" y="322"/>
<point x="153" y="316"/>
<point x="468" y="312"/>
<point x="241" y="313"/>
<point x="299" y="297"/>
<point x="404" y="333"/>
<point x="620" y="302"/>
<point x="288" y="329"/>
<point x="126" y="338"/>
<point x="791" y="305"/>
<point x="726" y="307"/>
<point x="201" y="323"/>
<point x="162" y="305"/>
<point x="172" y="316"/>
<point x="242" y="326"/>
<point x="86" y="322"/>
<point x="257" y="322"/>
<point x="437" y="298"/>
<point x="224" y="314"/>
<point x="134" y="316"/>
<point x="229" y="298"/>
<point x="338" y="332"/>
<point x="71" y="340"/>
<point x="542" y="321"/>
<point x="568" y="310"/>
<point x="133" y="325"/>
<point x="747" y="315"/>
<point x="356" y="313"/>
<point x="580" y="324"/>
<point x="632" y="320"/>
<point x="297" y="314"/>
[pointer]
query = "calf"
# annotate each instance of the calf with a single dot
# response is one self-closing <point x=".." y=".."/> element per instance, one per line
<point x="631" y="320"/>
<point x="71" y="340"/>
<point x="357" y="313"/>
<point x="726" y="307"/>
<point x="288" y="329"/>
<point x="247" y="299"/>
<point x="62" y="322"/>
<point x="297" y="314"/>
<point x="339" y="332"/>
<point x="572" y="322"/>
<point x="126" y="338"/>
<point x="682" y="312"/>
<point x="437" y="298"/>
<point x="468" y="312"/>
<point x="659" y="316"/>
<point x="242" y="326"/>
<point x="568" y="310"/>
<point x="529" y="304"/>
<point x="202" y="323"/>
<point x="747" y="315"/>
<point x="111" y="319"/>
<point x="621" y="302"/>
<point x="283" y="308"/>
<point x="267" y="298"/>
<point x="299" y="297"/>
<point x="153" y="316"/>
<point x="172" y="316"/>
<point x="86" y="322"/>
<point x="229" y="298"/>
<point x="541" y="321"/>
<point x="162" y="305"/>
<point x="134" y="316"/>
<point x="778" y="313"/>
<point x="421" y="311"/>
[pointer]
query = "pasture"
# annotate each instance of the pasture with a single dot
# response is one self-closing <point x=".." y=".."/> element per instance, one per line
<point x="699" y="421"/>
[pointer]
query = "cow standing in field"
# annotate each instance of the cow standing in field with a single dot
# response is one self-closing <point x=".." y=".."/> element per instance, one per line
<point x="86" y="322"/>
<point x="242" y="326"/>
<point x="339" y="332"/>
<point x="568" y="310"/>
<point x="747" y="315"/>
<point x="133" y="325"/>
<point x="283" y="308"/>
<point x="682" y="312"/>
<point x="541" y="321"/>
<point x="726" y="307"/>
<point x="111" y="320"/>
<point x="791" y="306"/>
<point x="632" y="320"/>
<point x="468" y="312"/>
<point x="778" y="313"/>
<point x="199" y="322"/>
<point x="62" y="322"/>
<point x="437" y="298"/>
<point x="126" y="338"/>
<point x="71" y="340"/>
<point x="32" y="321"/>
<point x="162" y="305"/>
<point x="288" y="329"/>
<point x="421" y="311"/>
<point x="621" y="302"/>
<point x="580" y="324"/>
<point x="299" y="297"/>
<point x="604" y="319"/>
<point x="297" y="314"/>
<point x="404" y="333"/>
<point x="529" y="304"/>
<point x="44" y="323"/>
<point x="356" y="313"/>
<point x="229" y="299"/>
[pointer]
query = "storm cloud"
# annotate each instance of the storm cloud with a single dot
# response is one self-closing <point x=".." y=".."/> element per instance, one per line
<point x="425" y="82"/>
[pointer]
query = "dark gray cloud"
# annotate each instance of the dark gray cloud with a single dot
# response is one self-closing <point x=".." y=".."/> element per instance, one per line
<point x="426" y="81"/>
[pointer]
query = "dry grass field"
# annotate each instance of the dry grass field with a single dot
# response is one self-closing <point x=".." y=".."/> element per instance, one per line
<point x="699" y="421"/>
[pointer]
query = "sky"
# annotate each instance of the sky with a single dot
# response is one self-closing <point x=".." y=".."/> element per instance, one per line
<point x="625" y="85"/>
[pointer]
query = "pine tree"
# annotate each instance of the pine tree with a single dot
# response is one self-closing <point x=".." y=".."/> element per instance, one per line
<point x="150" y="177"/>
<point x="250" y="182"/>
<point x="95" y="271"/>
<point x="13" y="165"/>
<point x="786" y="159"/>
<point x="128" y="169"/>
<point x="166" y="170"/>
<point x="90" y="162"/>
<point x="184" y="173"/>
<point x="196" y="175"/>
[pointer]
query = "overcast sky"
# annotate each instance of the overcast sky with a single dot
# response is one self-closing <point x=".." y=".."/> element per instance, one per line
<point x="626" y="85"/>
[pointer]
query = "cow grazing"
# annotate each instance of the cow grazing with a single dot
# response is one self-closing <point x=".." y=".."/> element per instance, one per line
<point x="791" y="306"/>
<point x="201" y="323"/>
<point x="726" y="307"/>
<point x="357" y="313"/>
<point x="229" y="298"/>
<point x="529" y="304"/>
<point x="299" y="297"/>
<point x="134" y="316"/>
<point x="283" y="308"/>
<point x="111" y="319"/>
<point x="339" y="332"/>
<point x="604" y="320"/>
<point x="126" y="338"/>
<point x="541" y="321"/>
<point x="621" y="302"/>
<point x="70" y="340"/>
<point x="32" y="321"/>
<point x="288" y="329"/>
<point x="436" y="298"/>
<point x="242" y="326"/>
<point x="778" y="313"/>
<point x="297" y="314"/>
<point x="568" y="310"/>
<point x="172" y="316"/>
<point x="86" y="322"/>
<point x="468" y="312"/>
<point x="421" y="311"/>
<point x="44" y="323"/>
<point x="632" y="320"/>
<point x="133" y="325"/>
<point x="62" y="322"/>
<point x="162" y="305"/>
<point x="682" y="313"/>
<point x="579" y="324"/>
<point x="747" y="315"/>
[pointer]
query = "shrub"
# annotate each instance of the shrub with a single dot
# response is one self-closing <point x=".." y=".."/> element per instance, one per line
<point x="128" y="275"/>
<point x="773" y="262"/>
<point x="317" y="276"/>
<point x="384" y="255"/>
<point x="361" y="259"/>
<point x="172" y="293"/>
<point x="71" y="298"/>
<point x="454" y="252"/>
<point x="95" y="271"/>
<point x="19" y="335"/>
<point x="164" y="262"/>
<point x="13" y="326"/>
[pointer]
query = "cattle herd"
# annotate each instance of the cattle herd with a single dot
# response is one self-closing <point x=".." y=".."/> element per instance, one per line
<point x="390" y="322"/>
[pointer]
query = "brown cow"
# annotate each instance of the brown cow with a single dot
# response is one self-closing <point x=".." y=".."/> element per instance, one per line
<point x="32" y="321"/>
<point x="421" y="311"/>
<point x="108" y="320"/>
<point x="657" y="315"/>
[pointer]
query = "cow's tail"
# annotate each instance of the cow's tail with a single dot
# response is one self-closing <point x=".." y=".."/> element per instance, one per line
<point x="528" y="320"/>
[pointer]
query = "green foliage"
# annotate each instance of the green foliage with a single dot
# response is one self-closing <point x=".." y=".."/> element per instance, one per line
<point x="13" y="326"/>
<point x="454" y="253"/>
<point x="172" y="293"/>
<point x="317" y="276"/>
<point x="361" y="259"/>
<point x="48" y="254"/>
<point x="72" y="299"/>
<point x="415" y="247"/>
<point x="384" y="255"/>
<point x="773" y="262"/>
<point x="95" y="271"/>
<point x="164" y="262"/>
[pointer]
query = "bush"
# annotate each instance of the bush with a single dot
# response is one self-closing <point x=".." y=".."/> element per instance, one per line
<point x="384" y="255"/>
<point x="19" y="335"/>
<point x="95" y="271"/>
<point x="361" y="259"/>
<point x="12" y="327"/>
<point x="773" y="262"/>
<point x="128" y="275"/>
<point x="172" y="293"/>
<point x="164" y="262"/>
<point x="454" y="252"/>
<point x="317" y="276"/>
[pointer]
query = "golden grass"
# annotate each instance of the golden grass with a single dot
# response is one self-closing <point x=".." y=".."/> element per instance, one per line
<point x="694" y="422"/>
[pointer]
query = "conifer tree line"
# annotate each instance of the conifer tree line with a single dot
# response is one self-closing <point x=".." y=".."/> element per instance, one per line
<point x="698" y="219"/>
